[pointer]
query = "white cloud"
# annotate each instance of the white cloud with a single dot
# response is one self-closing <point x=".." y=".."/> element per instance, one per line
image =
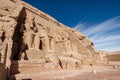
<point x="105" y="35"/>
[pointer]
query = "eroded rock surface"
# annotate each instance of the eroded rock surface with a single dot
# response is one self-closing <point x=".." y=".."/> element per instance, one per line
<point x="29" y="37"/>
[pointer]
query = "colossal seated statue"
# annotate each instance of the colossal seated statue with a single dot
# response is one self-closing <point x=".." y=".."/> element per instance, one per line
<point x="28" y="39"/>
<point x="8" y="26"/>
<point x="37" y="41"/>
<point x="28" y="30"/>
<point x="3" y="52"/>
<point x="30" y="23"/>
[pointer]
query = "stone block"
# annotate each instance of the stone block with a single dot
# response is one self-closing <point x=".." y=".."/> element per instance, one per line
<point x="63" y="64"/>
<point x="71" y="65"/>
<point x="33" y="54"/>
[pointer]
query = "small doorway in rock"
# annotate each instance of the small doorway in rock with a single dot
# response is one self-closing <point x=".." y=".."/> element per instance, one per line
<point x="50" y="44"/>
<point x="41" y="45"/>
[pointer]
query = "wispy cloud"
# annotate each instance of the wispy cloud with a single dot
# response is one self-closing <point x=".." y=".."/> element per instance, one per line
<point x="105" y="35"/>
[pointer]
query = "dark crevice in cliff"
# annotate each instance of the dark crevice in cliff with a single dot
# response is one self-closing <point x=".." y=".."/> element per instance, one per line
<point x="3" y="37"/>
<point x="17" y="37"/>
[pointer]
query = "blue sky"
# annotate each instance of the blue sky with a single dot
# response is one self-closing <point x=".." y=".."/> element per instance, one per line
<point x="98" y="19"/>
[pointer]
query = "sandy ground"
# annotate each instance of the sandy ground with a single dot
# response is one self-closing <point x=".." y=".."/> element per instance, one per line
<point x="101" y="73"/>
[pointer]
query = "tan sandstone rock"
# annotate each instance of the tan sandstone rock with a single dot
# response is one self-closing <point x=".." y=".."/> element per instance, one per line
<point x="32" y="38"/>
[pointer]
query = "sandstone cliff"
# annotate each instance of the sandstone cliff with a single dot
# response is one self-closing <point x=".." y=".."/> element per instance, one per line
<point x="29" y="36"/>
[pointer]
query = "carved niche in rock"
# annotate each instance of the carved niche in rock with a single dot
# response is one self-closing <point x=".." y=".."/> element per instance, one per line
<point x="1" y="36"/>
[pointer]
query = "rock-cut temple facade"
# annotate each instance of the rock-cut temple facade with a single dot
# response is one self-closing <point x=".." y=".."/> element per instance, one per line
<point x="30" y="37"/>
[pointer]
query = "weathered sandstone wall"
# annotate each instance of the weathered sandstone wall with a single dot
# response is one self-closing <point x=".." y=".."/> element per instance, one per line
<point x="28" y="36"/>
